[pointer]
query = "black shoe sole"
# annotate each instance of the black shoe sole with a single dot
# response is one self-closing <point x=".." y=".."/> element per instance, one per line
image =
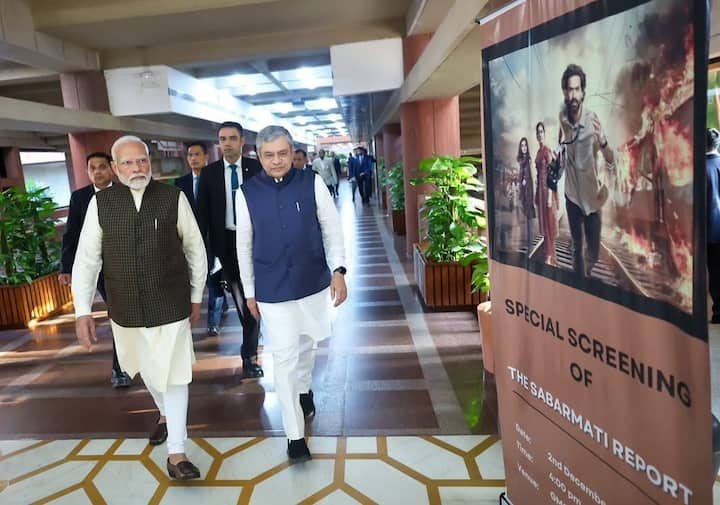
<point x="300" y="459"/>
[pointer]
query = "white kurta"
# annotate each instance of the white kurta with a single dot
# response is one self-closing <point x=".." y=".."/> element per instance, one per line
<point x="326" y="170"/>
<point x="282" y="323"/>
<point x="163" y="354"/>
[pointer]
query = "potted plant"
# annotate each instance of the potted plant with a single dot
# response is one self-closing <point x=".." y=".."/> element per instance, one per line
<point x="451" y="266"/>
<point x="382" y="182"/>
<point x="396" y="184"/>
<point x="29" y="255"/>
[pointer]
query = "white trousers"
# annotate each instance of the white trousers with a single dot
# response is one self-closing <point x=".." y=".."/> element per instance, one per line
<point x="173" y="404"/>
<point x="293" y="375"/>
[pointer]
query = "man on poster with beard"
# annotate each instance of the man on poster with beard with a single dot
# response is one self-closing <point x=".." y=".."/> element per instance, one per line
<point x="582" y="135"/>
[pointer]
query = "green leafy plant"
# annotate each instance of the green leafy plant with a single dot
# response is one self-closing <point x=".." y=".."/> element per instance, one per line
<point x="454" y="222"/>
<point x="396" y="180"/>
<point x="27" y="230"/>
<point x="382" y="172"/>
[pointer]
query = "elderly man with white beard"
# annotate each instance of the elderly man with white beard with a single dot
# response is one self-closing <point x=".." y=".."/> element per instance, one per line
<point x="143" y="235"/>
<point x="291" y="256"/>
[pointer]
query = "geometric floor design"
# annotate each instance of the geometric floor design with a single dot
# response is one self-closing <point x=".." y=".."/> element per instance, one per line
<point x="464" y="469"/>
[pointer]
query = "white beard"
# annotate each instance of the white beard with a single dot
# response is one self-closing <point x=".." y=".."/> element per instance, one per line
<point x="137" y="183"/>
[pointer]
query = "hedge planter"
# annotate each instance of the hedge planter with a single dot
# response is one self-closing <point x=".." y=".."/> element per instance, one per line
<point x="444" y="286"/>
<point x="24" y="304"/>
<point x="398" y="220"/>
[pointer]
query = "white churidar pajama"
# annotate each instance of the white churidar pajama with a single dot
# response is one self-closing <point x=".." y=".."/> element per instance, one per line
<point x="163" y="355"/>
<point x="292" y="329"/>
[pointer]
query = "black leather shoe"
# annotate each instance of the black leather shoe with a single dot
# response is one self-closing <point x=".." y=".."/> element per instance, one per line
<point x="307" y="404"/>
<point x="715" y="319"/>
<point x="298" y="451"/>
<point x="159" y="434"/>
<point x="252" y="370"/>
<point x="120" y="379"/>
<point x="213" y="331"/>
<point x="183" y="470"/>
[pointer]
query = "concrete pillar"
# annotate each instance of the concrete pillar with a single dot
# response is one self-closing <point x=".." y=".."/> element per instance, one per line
<point x="86" y="91"/>
<point x="392" y="143"/>
<point x="428" y="127"/>
<point x="13" y="173"/>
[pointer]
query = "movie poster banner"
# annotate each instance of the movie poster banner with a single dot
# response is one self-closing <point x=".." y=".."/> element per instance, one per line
<point x="594" y="145"/>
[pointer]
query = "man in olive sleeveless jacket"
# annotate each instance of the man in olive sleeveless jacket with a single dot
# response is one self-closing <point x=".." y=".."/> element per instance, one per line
<point x="144" y="237"/>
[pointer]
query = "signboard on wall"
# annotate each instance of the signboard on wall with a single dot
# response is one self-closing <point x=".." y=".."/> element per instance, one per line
<point x="595" y="165"/>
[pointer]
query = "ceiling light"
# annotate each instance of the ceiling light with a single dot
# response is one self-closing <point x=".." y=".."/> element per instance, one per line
<point x="280" y="107"/>
<point x="321" y="104"/>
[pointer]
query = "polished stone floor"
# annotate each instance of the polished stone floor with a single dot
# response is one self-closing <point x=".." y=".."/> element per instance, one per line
<point x="404" y="413"/>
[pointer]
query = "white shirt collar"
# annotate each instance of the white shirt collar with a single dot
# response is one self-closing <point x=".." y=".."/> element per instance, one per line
<point x="98" y="189"/>
<point x="227" y="163"/>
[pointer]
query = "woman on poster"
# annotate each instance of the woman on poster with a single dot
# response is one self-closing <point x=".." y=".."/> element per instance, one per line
<point x="527" y="195"/>
<point x="546" y="199"/>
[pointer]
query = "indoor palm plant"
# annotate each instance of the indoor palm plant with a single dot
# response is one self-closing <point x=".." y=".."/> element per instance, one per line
<point x="29" y="255"/>
<point x="396" y="185"/>
<point x="454" y="238"/>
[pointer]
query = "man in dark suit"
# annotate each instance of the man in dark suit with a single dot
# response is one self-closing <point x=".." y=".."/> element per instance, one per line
<point x="363" y="173"/>
<point x="100" y="174"/>
<point x="197" y="158"/>
<point x="219" y="182"/>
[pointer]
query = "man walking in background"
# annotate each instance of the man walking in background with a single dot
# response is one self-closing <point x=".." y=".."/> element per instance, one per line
<point x="712" y="169"/>
<point x="325" y="169"/>
<point x="197" y="158"/>
<point x="100" y="175"/>
<point x="219" y="182"/>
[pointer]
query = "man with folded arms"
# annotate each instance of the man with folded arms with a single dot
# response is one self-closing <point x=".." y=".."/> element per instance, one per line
<point x="143" y="236"/>
<point x="291" y="254"/>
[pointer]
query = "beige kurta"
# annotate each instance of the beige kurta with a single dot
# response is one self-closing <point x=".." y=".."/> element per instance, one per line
<point x="163" y="355"/>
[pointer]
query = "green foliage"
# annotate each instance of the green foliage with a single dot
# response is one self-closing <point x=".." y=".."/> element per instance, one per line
<point x="27" y="229"/>
<point x="382" y="172"/>
<point x="397" y="186"/>
<point x="342" y="157"/>
<point x="453" y="221"/>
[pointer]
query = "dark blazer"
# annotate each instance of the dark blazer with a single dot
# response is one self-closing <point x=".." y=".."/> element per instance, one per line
<point x="79" y="201"/>
<point x="211" y="205"/>
<point x="185" y="183"/>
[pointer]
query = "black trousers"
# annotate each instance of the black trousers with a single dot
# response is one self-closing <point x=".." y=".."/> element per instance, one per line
<point x="365" y="187"/>
<point x="588" y="227"/>
<point x="231" y="274"/>
<point x="713" y="264"/>
<point x="101" y="290"/>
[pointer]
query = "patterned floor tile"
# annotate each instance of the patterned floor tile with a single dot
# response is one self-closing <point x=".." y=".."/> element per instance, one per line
<point x="47" y="483"/>
<point x="254" y="460"/>
<point x="490" y="462"/>
<point x="78" y="497"/>
<point x="357" y="445"/>
<point x="295" y="483"/>
<point x="132" y="447"/>
<point x="224" y="445"/>
<point x="124" y="482"/>
<point x="26" y="462"/>
<point x="337" y="498"/>
<point x="10" y="446"/>
<point x="195" y="453"/>
<point x="383" y="483"/>
<point x="322" y="445"/>
<point x="187" y="495"/>
<point x="470" y="495"/>
<point x="428" y="459"/>
<point x="463" y="442"/>
<point x="97" y="447"/>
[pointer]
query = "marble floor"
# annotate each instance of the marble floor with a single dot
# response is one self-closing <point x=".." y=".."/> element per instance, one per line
<point x="403" y="406"/>
<point x="254" y="470"/>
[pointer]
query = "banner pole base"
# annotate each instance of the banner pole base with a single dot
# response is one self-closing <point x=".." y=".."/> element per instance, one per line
<point x="504" y="500"/>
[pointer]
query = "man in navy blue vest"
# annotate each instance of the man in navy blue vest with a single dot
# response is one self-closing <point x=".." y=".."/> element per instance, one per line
<point x="291" y="258"/>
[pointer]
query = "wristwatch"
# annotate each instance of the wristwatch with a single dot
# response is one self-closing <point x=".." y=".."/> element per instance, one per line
<point x="340" y="270"/>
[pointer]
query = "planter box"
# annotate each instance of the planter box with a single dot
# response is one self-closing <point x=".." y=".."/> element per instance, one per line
<point x="383" y="198"/>
<point x="444" y="286"/>
<point x="26" y="303"/>
<point x="398" y="219"/>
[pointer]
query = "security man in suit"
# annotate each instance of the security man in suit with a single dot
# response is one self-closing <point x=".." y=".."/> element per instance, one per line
<point x="100" y="175"/>
<point x="219" y="182"/>
<point x="197" y="158"/>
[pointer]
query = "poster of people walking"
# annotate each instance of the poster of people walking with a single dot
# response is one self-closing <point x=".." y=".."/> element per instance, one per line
<point x="592" y="154"/>
<point x="594" y="131"/>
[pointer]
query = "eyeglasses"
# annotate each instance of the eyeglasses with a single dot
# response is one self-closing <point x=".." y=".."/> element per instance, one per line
<point x="140" y="162"/>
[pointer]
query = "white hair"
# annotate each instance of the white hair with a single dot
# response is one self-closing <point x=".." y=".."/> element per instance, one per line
<point x="270" y="133"/>
<point x="127" y="139"/>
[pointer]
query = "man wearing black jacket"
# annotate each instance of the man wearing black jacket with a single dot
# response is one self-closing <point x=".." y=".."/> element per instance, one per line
<point x="100" y="174"/>
<point x="219" y="182"/>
